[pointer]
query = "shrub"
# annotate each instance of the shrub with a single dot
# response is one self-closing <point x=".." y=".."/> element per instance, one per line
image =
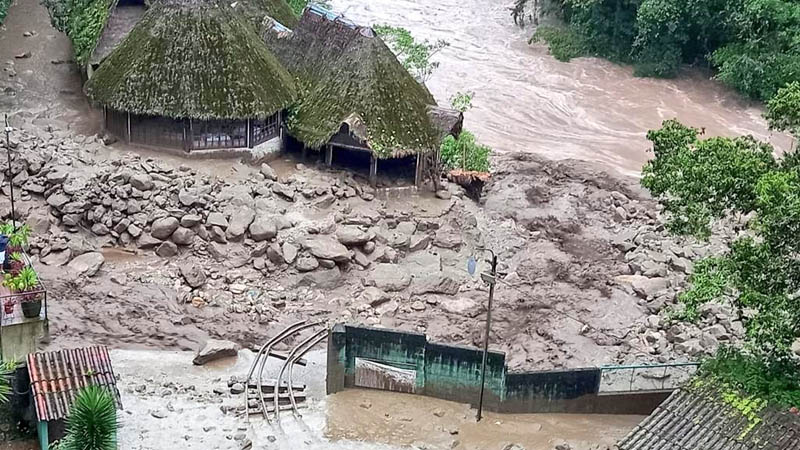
<point x="465" y="153"/>
<point x="92" y="423"/>
<point x="4" y="5"/>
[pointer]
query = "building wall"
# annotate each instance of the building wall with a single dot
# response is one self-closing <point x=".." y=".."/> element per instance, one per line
<point x="454" y="373"/>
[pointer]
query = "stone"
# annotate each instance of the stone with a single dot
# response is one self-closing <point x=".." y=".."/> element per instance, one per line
<point x="447" y="238"/>
<point x="439" y="283"/>
<point x="237" y="388"/>
<point x="239" y="223"/>
<point x="326" y="247"/>
<point x="369" y="247"/>
<point x="87" y="264"/>
<point x="100" y="229"/>
<point x="718" y="331"/>
<point x="218" y="235"/>
<point x="193" y="274"/>
<point x="57" y="200"/>
<point x="351" y="235"/>
<point x="327" y="263"/>
<point x="390" y="277"/>
<point x="268" y="172"/>
<point x="709" y="342"/>
<point x="183" y="236"/>
<point x="620" y="214"/>
<point x="58" y="258"/>
<point x="147" y="241"/>
<point x="643" y="286"/>
<point x="186" y="198"/>
<point x="213" y="350"/>
<point x="167" y="249"/>
<point x="289" y="253"/>
<point x="307" y="263"/>
<point x="274" y="253"/>
<point x="443" y="194"/>
<point x="322" y="279"/>
<point x="361" y="259"/>
<point x="418" y="306"/>
<point x="690" y="347"/>
<point x="191" y="220"/>
<point x="142" y="181"/>
<point x="285" y="191"/>
<point x="216" y="219"/>
<point x="419" y="242"/>
<point x="461" y="306"/>
<point x="796" y="347"/>
<point x="158" y="414"/>
<point x="325" y="201"/>
<point x="163" y="228"/>
<point x="262" y="229"/>
<point x="682" y="265"/>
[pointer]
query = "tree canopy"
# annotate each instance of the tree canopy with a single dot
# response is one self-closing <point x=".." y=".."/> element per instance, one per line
<point x="752" y="44"/>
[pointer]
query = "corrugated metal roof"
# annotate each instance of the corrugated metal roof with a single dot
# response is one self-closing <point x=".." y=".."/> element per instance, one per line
<point x="701" y="419"/>
<point x="57" y="377"/>
<point x="330" y="15"/>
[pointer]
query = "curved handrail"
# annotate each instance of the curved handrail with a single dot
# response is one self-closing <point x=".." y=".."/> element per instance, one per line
<point x="320" y="338"/>
<point x="291" y="355"/>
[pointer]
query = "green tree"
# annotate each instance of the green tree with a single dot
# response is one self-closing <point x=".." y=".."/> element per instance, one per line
<point x="783" y="110"/>
<point x="699" y="181"/>
<point x="92" y="422"/>
<point x="414" y="55"/>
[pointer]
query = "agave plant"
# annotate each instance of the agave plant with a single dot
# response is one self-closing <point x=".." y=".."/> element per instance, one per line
<point x="6" y="370"/>
<point x="92" y="422"/>
<point x="18" y="239"/>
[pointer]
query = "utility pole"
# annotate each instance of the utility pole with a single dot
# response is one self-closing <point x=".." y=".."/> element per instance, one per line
<point x="491" y="279"/>
<point x="10" y="174"/>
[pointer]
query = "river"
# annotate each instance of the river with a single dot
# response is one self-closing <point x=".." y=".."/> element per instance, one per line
<point x="525" y="100"/>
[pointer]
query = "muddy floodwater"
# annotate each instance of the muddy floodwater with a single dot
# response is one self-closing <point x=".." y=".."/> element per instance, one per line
<point x="525" y="100"/>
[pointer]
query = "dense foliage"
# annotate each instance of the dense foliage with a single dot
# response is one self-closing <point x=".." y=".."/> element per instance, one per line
<point x="751" y="43"/>
<point x="414" y="55"/>
<point x="4" y="5"/>
<point x="700" y="181"/>
<point x="778" y="382"/>
<point x="465" y="153"/>
<point x="6" y="371"/>
<point x="92" y="422"/>
<point x="82" y="21"/>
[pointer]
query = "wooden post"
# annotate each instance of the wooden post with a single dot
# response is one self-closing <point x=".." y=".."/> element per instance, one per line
<point x="305" y="150"/>
<point x="185" y="142"/>
<point x="418" y="171"/>
<point x="105" y="119"/>
<point x="129" y="128"/>
<point x="249" y="139"/>
<point x="191" y="134"/>
<point x="329" y="155"/>
<point x="373" y="170"/>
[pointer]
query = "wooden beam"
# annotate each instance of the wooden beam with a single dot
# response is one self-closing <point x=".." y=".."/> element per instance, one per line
<point x="418" y="171"/>
<point x="329" y="155"/>
<point x="249" y="132"/>
<point x="373" y="170"/>
<point x="129" y="128"/>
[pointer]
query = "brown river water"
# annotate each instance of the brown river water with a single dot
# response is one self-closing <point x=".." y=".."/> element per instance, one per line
<point x="525" y="100"/>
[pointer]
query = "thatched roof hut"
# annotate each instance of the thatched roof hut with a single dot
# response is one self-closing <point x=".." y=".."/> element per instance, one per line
<point x="197" y="60"/>
<point x="192" y="59"/>
<point x="352" y="83"/>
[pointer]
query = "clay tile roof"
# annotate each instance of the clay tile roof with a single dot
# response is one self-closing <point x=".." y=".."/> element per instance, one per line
<point x="57" y="377"/>
<point x="714" y="418"/>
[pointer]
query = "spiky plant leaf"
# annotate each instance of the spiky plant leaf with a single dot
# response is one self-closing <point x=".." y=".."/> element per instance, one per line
<point x="92" y="422"/>
<point x="6" y="370"/>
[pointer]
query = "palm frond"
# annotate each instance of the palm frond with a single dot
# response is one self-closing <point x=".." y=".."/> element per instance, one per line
<point x="92" y="422"/>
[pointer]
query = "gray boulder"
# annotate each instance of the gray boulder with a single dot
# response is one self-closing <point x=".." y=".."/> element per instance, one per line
<point x="390" y="277"/>
<point x="142" y="182"/>
<point x="215" y="349"/>
<point x="240" y="221"/>
<point x="87" y="264"/>
<point x="439" y="283"/>
<point x="193" y="274"/>
<point x="263" y="228"/>
<point x="350" y="235"/>
<point x="285" y="191"/>
<point x="167" y="249"/>
<point x="216" y="219"/>
<point x="326" y="247"/>
<point x="183" y="236"/>
<point x="163" y="228"/>
<point x="307" y="263"/>
<point x="274" y="253"/>
<point x="448" y="238"/>
<point x="58" y="258"/>
<point x="268" y="172"/>
<point x="289" y="252"/>
<point x="190" y="220"/>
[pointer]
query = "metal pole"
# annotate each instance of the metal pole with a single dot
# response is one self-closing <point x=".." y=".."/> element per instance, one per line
<point x="10" y="174"/>
<point x="486" y="337"/>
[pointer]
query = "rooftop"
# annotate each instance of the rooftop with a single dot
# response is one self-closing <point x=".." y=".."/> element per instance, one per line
<point x="57" y="377"/>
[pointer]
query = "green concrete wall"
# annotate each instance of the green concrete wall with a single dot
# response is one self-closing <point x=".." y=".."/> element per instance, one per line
<point x="454" y="373"/>
<point x="17" y="341"/>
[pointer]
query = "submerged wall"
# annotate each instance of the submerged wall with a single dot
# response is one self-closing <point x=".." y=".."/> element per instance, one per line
<point x="454" y="373"/>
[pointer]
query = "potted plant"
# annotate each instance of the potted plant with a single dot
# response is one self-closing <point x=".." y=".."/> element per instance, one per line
<point x="25" y="284"/>
<point x="16" y="264"/>
<point x="8" y="307"/>
<point x="17" y="240"/>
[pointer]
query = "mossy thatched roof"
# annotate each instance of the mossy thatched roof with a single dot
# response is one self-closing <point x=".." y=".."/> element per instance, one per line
<point x="345" y="73"/>
<point x="258" y="12"/>
<point x="193" y="58"/>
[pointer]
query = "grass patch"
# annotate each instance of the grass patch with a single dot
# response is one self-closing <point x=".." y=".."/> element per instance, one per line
<point x="564" y="43"/>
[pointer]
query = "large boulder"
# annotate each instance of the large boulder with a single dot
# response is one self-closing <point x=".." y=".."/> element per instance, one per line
<point x="462" y="306"/>
<point x="350" y="235"/>
<point x="390" y="277"/>
<point x="183" y="236"/>
<point x="167" y="249"/>
<point x="285" y="191"/>
<point x="326" y="247"/>
<point x="216" y="219"/>
<point x="447" y="238"/>
<point x="240" y="221"/>
<point x="193" y="274"/>
<point x="163" y="228"/>
<point x="215" y="349"/>
<point x="643" y="286"/>
<point x="87" y="264"/>
<point x="263" y="228"/>
<point x="268" y="172"/>
<point x="142" y="181"/>
<point x="438" y="283"/>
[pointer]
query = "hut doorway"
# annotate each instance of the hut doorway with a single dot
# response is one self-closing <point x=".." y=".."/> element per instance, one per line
<point x="390" y="172"/>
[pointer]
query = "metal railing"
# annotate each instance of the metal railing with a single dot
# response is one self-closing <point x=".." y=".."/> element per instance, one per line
<point x="644" y="378"/>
